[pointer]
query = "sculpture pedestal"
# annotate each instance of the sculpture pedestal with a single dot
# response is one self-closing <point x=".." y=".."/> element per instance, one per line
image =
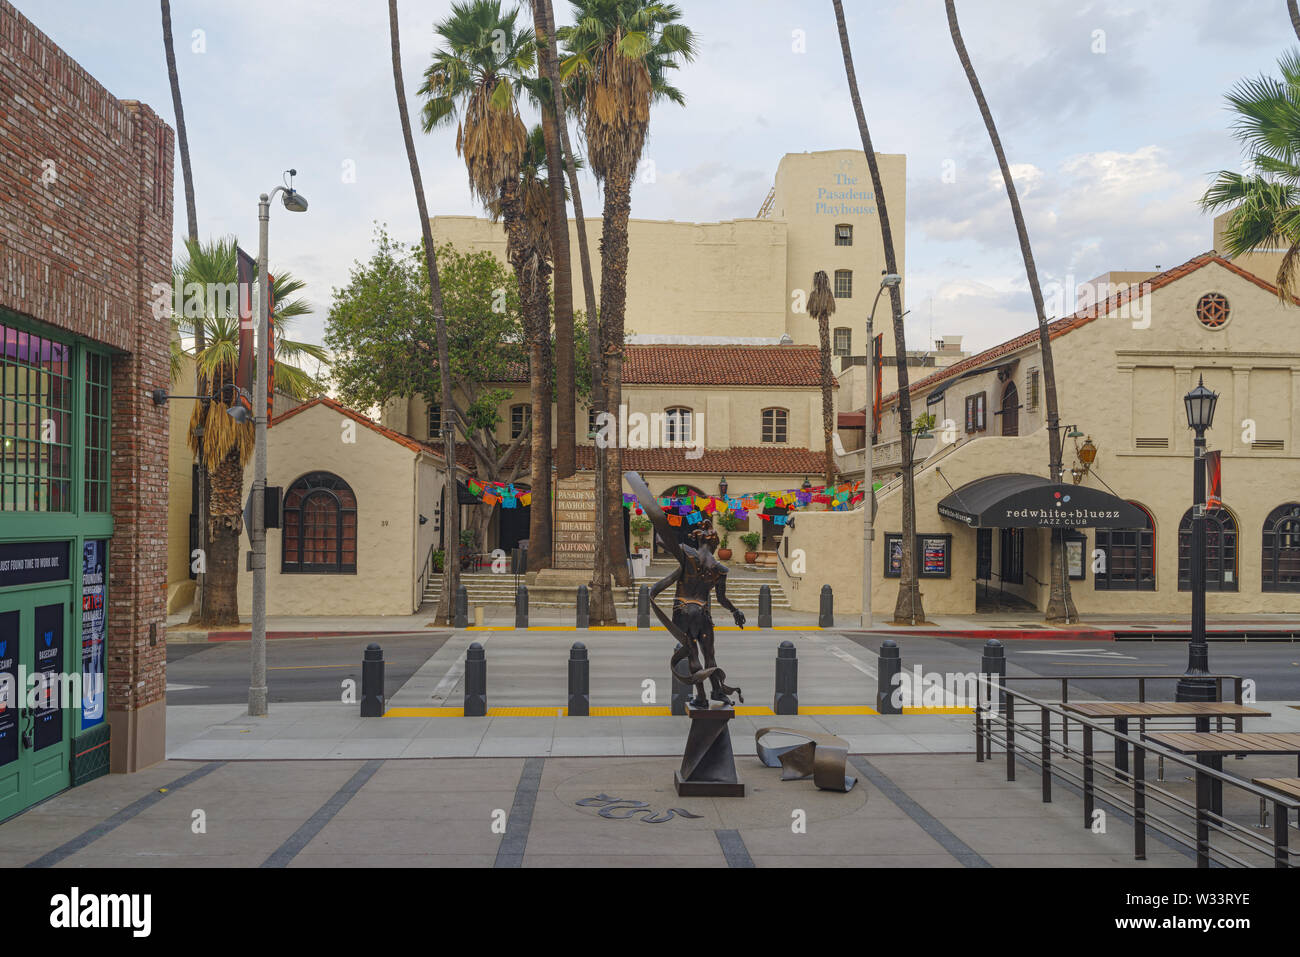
<point x="709" y="766"/>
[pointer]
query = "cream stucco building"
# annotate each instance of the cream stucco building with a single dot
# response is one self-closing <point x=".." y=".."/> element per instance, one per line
<point x="1122" y="369"/>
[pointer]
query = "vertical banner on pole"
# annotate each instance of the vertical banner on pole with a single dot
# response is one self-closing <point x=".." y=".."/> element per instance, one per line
<point x="1214" y="479"/>
<point x="94" y="562"/>
<point x="878" y="346"/>
<point x="270" y="348"/>
<point x="247" y="268"/>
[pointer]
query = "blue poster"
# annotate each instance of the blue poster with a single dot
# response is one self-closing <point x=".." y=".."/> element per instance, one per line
<point x="94" y="568"/>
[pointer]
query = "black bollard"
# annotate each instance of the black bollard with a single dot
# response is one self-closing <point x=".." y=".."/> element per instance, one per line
<point x="643" y="607"/>
<point x="765" y="607"/>
<point x="787" y="679"/>
<point x="994" y="662"/>
<point x="680" y="692"/>
<point x="462" y="607"/>
<point x="521" y="606"/>
<point x="584" y="607"/>
<point x="579" y="681"/>
<point x="826" y="617"/>
<point x="372" y="682"/>
<point x="890" y="667"/>
<point x="475" y="682"/>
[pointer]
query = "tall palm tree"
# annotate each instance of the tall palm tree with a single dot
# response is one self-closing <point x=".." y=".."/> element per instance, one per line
<point x="1266" y="203"/>
<point x="221" y="443"/>
<point x="445" y="614"/>
<point x="565" y="392"/>
<point x="1060" y="606"/>
<point x="192" y="222"/>
<point x="1294" y="10"/>
<point x="821" y="306"/>
<point x="619" y="55"/>
<point x="907" y="609"/>
<point x="600" y="594"/>
<point x="474" y="80"/>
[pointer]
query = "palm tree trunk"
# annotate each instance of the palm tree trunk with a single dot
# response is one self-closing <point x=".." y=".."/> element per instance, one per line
<point x="828" y="411"/>
<point x="445" y="614"/>
<point x="200" y="333"/>
<point x="566" y="402"/>
<point x="1295" y="16"/>
<point x="539" y="515"/>
<point x="613" y="302"/>
<point x="907" y="610"/>
<point x="1060" y="606"/>
<point x="222" y="605"/>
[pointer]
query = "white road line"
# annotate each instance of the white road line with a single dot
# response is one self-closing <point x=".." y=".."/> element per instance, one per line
<point x="949" y="699"/>
<point x="442" y="691"/>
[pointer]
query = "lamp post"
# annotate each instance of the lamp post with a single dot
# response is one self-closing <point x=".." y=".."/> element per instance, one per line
<point x="888" y="281"/>
<point x="295" y="203"/>
<point x="1195" y="685"/>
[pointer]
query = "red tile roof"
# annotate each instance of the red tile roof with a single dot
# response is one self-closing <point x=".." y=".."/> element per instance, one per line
<point x="712" y="365"/>
<point x="769" y="460"/>
<point x="1060" y="327"/>
<point x="404" y="440"/>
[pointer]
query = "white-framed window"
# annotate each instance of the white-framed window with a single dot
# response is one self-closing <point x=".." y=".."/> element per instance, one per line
<point x="774" y="425"/>
<point x="520" y="416"/>
<point x="844" y="284"/>
<point x="677" y="424"/>
<point x="843" y="235"/>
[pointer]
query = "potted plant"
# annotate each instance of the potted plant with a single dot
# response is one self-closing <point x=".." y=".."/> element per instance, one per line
<point x="438" y="558"/>
<point x="468" y="545"/>
<point x="752" y="540"/>
<point x="640" y="528"/>
<point x="728" y="523"/>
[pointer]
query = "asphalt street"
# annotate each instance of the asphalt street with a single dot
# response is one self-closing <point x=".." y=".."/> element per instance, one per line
<point x="298" y="669"/>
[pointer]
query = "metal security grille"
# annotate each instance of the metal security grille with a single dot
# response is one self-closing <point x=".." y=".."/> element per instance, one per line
<point x="35" y="423"/>
<point x="1220" y="551"/>
<point x="843" y="341"/>
<point x="320" y="526"/>
<point x="844" y="235"/>
<point x="843" y="283"/>
<point x="96" y="418"/>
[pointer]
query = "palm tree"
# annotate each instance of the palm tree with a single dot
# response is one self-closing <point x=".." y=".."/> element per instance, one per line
<point x="222" y="444"/>
<point x="821" y="306"/>
<point x="601" y="596"/>
<point x="1266" y="204"/>
<point x="1060" y="606"/>
<point x="548" y="91"/>
<point x="1294" y="10"/>
<point x="907" y="609"/>
<point x="619" y="55"/>
<point x="445" y="614"/>
<point x="192" y="222"/>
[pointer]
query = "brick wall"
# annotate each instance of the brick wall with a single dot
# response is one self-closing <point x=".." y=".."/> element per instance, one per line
<point x="85" y="233"/>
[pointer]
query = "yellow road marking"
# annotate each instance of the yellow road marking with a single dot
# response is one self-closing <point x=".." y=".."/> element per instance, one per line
<point x="938" y="711"/>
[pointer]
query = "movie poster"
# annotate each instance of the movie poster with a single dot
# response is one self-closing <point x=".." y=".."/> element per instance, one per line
<point x="93" y="631"/>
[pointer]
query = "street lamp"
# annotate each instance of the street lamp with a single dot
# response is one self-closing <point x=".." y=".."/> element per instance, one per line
<point x="887" y="281"/>
<point x="236" y="412"/>
<point x="295" y="202"/>
<point x="1195" y="685"/>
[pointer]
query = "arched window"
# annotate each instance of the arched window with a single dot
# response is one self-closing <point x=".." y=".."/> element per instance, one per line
<point x="1129" y="555"/>
<point x="843" y="341"/>
<point x="677" y="425"/>
<point x="774" y="425"/>
<point x="844" y="235"/>
<point x="1281" y="566"/>
<point x="1220" y="551"/>
<point x="320" y="527"/>
<point x="520" y="416"/>
<point x="844" y="284"/>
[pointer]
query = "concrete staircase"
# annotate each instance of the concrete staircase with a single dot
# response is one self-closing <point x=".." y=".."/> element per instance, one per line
<point x="485" y="588"/>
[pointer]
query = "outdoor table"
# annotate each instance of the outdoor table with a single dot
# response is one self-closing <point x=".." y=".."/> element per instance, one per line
<point x="1210" y="748"/>
<point x="1122" y="711"/>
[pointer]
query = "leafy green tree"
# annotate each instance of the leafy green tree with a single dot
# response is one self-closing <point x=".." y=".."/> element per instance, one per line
<point x="1265" y="203"/>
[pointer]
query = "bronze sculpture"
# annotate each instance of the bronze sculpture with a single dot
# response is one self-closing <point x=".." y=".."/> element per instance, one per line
<point x="697" y="574"/>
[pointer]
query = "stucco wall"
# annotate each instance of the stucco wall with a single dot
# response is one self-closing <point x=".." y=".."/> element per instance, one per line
<point x="381" y="474"/>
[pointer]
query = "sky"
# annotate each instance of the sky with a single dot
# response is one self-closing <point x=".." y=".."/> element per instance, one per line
<point x="1112" y="115"/>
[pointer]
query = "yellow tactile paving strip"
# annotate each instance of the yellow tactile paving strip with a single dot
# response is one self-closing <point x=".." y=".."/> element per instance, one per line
<point x="653" y="711"/>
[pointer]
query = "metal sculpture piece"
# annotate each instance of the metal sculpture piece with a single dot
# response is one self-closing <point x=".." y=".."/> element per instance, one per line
<point x="708" y="764"/>
<point x="611" y="806"/>
<point x="805" y="754"/>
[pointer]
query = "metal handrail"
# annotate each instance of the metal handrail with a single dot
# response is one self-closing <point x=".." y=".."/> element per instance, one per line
<point x="427" y="571"/>
<point x="1209" y="781"/>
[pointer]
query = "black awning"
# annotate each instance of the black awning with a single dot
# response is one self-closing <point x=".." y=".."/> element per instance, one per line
<point x="1017" y="500"/>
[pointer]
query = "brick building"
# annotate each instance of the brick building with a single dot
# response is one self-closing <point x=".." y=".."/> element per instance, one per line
<point x="85" y="233"/>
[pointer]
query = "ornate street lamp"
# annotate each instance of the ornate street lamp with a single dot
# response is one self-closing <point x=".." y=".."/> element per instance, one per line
<point x="1195" y="685"/>
<point x="722" y="487"/>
